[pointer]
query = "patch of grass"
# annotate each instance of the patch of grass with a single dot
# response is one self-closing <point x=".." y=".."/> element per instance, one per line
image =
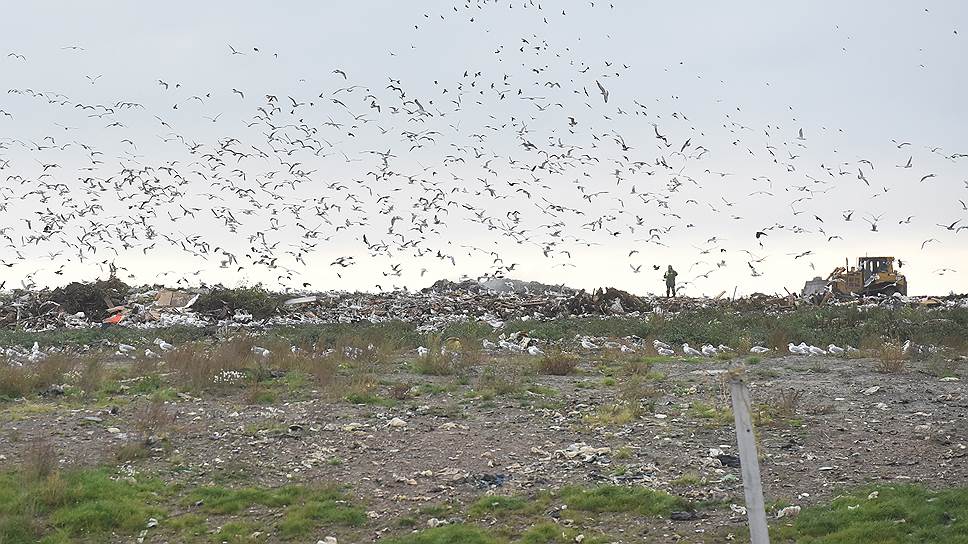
<point x="238" y="532"/>
<point x="98" y="336"/>
<point x="786" y="403"/>
<point x="622" y="453"/>
<point x="552" y="533"/>
<point x="557" y="363"/>
<point x="891" y="359"/>
<point x="33" y="378"/>
<point x="320" y="507"/>
<point x="717" y="416"/>
<point x="897" y="514"/>
<point x="609" y="498"/>
<point x="200" y="367"/>
<point x="501" y="506"/>
<point x="369" y="398"/>
<point x="304" y="508"/>
<point x="687" y="480"/>
<point x="223" y="500"/>
<point x="146" y="384"/>
<point x="447" y="534"/>
<point x="73" y="505"/>
<point x="612" y="415"/>
<point x="443" y="358"/>
<point x="497" y="380"/>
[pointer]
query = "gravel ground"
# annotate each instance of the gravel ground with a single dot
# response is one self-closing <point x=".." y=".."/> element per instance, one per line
<point x="850" y="426"/>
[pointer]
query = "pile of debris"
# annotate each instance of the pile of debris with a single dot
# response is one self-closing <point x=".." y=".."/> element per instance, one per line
<point x="494" y="301"/>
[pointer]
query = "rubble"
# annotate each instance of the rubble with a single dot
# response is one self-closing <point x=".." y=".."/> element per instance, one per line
<point x="494" y="302"/>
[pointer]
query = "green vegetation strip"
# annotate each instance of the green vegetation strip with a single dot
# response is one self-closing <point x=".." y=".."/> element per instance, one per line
<point x="305" y="507"/>
<point x="820" y="326"/>
<point x="905" y="514"/>
<point x="72" y="506"/>
<point x="87" y="505"/>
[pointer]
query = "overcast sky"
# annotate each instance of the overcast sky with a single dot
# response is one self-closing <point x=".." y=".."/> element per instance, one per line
<point x="870" y="84"/>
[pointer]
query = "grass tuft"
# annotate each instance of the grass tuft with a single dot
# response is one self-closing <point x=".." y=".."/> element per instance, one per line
<point x="557" y="363"/>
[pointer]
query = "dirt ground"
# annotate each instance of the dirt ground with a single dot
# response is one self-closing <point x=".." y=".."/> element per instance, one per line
<point x="454" y="447"/>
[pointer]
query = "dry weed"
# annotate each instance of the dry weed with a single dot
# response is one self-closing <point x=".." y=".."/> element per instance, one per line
<point x="557" y="363"/>
<point x="891" y="359"/>
<point x="786" y="403"/>
<point x="41" y="460"/>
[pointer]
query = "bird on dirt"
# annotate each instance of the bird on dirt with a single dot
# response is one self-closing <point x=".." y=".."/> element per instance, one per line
<point x="665" y="352"/>
<point x="535" y="351"/>
<point x="686" y="350"/>
<point x="796" y="350"/>
<point x="165" y="346"/>
<point x="835" y="350"/>
<point x="422" y="351"/>
<point x="588" y="344"/>
<point x="814" y="350"/>
<point x="660" y="344"/>
<point x="759" y="349"/>
<point x="261" y="352"/>
<point x="487" y="344"/>
<point x="709" y="351"/>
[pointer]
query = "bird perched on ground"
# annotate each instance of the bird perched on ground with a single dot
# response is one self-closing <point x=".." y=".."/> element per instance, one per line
<point x="759" y="349"/>
<point x="487" y="344"/>
<point x="665" y="352"/>
<point x="796" y="350"/>
<point x="261" y="352"/>
<point x="709" y="351"/>
<point x="35" y="353"/>
<point x="660" y="344"/>
<point x="835" y="350"/>
<point x="165" y="346"/>
<point x="535" y="351"/>
<point x="814" y="350"/>
<point x="686" y="350"/>
<point x="588" y="344"/>
<point x="422" y="351"/>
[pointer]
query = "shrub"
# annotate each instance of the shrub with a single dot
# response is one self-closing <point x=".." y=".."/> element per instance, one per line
<point x="890" y="359"/>
<point x="254" y="300"/>
<point x="786" y="403"/>
<point x="202" y="367"/>
<point x="557" y="363"/>
<point x="613" y="414"/>
<point x="434" y="362"/>
<point x="34" y="377"/>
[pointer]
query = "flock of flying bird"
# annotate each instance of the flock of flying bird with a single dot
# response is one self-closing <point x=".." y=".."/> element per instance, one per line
<point x="545" y="157"/>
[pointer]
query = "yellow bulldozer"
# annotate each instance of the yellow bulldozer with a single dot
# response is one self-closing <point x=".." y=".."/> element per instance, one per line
<point x="871" y="276"/>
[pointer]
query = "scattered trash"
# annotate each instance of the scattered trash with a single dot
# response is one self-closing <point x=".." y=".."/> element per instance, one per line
<point x="493" y="301"/>
<point x="788" y="512"/>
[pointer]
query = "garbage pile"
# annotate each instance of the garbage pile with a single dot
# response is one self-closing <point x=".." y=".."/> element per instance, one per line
<point x="494" y="301"/>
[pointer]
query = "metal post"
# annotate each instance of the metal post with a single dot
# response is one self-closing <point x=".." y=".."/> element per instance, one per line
<point x="750" y="466"/>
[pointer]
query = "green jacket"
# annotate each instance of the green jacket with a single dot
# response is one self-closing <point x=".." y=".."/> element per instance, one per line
<point x="670" y="277"/>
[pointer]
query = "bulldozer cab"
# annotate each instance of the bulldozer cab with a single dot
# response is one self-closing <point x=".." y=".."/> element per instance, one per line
<point x="874" y="265"/>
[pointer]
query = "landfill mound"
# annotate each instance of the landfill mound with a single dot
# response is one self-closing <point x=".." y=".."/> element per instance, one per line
<point x="492" y="300"/>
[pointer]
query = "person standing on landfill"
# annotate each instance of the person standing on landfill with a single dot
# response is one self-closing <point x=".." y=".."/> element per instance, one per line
<point x="670" y="278"/>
